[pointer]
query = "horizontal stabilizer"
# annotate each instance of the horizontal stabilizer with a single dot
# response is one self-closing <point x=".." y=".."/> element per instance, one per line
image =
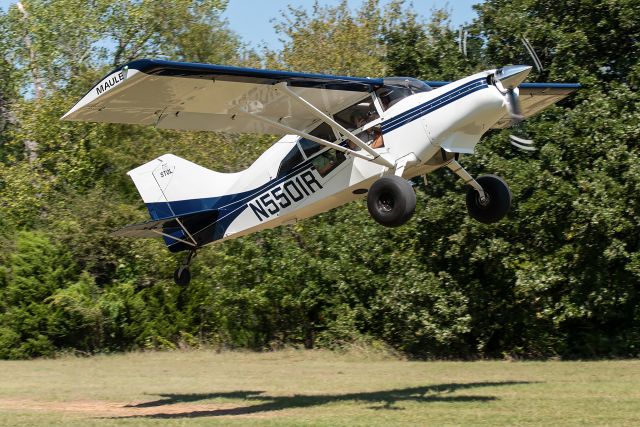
<point x="149" y="229"/>
<point x="191" y="230"/>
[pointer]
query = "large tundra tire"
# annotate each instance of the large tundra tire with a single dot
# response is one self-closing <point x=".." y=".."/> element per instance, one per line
<point x="498" y="201"/>
<point x="391" y="201"/>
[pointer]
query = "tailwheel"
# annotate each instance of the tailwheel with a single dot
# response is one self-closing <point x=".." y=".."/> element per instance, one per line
<point x="182" y="275"/>
<point x="391" y="201"/>
<point x="494" y="204"/>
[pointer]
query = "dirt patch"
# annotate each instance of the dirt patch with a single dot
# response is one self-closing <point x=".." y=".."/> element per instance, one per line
<point x="105" y="409"/>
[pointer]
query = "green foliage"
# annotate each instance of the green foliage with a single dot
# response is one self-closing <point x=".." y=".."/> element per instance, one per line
<point x="332" y="40"/>
<point x="589" y="41"/>
<point x="560" y="276"/>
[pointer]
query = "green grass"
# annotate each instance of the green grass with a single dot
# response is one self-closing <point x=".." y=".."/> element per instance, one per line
<point x="314" y="388"/>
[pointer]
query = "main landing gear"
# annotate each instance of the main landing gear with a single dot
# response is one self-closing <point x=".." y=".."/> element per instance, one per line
<point x="488" y="197"/>
<point x="391" y="201"/>
<point x="182" y="275"/>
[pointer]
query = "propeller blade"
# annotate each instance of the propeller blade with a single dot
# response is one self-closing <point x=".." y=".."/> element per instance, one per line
<point x="521" y="140"/>
<point x="532" y="53"/>
<point x="514" y="107"/>
<point x="523" y="144"/>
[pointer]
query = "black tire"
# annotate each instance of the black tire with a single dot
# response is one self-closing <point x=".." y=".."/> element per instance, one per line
<point x="391" y="201"/>
<point x="498" y="203"/>
<point x="182" y="276"/>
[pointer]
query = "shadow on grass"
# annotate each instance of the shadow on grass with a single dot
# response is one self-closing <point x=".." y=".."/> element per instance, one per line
<point x="386" y="399"/>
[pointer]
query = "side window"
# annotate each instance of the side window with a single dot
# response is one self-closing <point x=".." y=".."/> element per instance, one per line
<point x="293" y="159"/>
<point x="357" y="115"/>
<point x="323" y="131"/>
<point x="327" y="161"/>
<point x="309" y="147"/>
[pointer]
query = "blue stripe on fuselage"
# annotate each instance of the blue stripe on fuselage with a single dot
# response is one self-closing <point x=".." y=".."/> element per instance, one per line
<point x="229" y="206"/>
<point x="433" y="104"/>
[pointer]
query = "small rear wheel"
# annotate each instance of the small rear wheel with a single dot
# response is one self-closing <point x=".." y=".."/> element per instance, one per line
<point x="391" y="201"/>
<point x="497" y="203"/>
<point x="182" y="276"/>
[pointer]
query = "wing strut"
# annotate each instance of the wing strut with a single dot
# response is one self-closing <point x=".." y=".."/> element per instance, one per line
<point x="311" y="137"/>
<point x="175" y="238"/>
<point x="375" y="156"/>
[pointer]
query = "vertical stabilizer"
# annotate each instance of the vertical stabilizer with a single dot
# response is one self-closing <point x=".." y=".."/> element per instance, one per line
<point x="171" y="186"/>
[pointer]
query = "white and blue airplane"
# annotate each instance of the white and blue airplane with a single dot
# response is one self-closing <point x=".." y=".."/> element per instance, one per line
<point x="344" y="138"/>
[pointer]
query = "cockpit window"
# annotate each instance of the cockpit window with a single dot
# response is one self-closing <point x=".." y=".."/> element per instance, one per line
<point x="323" y="131"/>
<point x="293" y="159"/>
<point x="357" y="115"/>
<point x="397" y="88"/>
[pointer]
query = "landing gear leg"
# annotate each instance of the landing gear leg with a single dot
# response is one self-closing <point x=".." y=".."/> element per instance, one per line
<point x="182" y="275"/>
<point x="488" y="199"/>
<point x="468" y="179"/>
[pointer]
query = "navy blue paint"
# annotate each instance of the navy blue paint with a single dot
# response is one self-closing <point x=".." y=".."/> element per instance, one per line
<point x="254" y="75"/>
<point x="455" y="94"/>
<point x="574" y="86"/>
<point x="433" y="104"/>
<point x="411" y="111"/>
<point x="228" y="207"/>
<point x="260" y="76"/>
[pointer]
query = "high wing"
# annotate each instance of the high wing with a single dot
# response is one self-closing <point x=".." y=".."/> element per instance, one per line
<point x="202" y="97"/>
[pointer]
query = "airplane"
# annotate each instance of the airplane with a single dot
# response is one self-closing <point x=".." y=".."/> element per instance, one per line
<point x="344" y="138"/>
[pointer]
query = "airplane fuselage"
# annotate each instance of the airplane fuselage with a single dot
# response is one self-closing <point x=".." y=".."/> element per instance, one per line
<point x="425" y="129"/>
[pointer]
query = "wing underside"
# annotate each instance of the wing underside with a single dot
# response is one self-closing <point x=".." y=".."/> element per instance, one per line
<point x="202" y="97"/>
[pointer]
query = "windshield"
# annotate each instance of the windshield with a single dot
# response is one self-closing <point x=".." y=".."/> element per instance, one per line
<point x="397" y="88"/>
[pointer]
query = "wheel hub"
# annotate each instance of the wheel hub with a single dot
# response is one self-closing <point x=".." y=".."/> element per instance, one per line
<point x="386" y="202"/>
<point x="484" y="201"/>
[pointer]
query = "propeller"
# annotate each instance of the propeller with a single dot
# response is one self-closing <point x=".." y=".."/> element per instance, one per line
<point x="507" y="80"/>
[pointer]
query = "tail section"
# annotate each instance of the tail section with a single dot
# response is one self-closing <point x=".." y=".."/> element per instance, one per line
<point x="171" y="186"/>
<point x="182" y="198"/>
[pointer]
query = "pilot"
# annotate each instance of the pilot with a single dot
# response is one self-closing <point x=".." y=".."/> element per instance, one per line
<point x="372" y="136"/>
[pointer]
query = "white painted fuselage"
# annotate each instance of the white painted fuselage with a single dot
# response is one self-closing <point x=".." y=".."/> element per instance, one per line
<point x="422" y="131"/>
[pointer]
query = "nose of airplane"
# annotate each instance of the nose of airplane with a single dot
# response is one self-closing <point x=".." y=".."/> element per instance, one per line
<point x="512" y="75"/>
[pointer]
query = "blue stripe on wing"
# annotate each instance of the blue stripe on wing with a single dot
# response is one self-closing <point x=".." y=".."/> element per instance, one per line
<point x="254" y="75"/>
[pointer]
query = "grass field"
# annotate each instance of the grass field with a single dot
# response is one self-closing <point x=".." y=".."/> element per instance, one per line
<point x="314" y="388"/>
